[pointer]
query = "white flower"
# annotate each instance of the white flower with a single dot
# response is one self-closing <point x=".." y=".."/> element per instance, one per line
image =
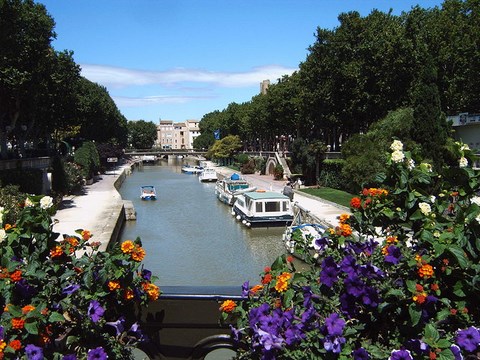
<point x="46" y="202"/>
<point x="3" y="235"/>
<point x="478" y="218"/>
<point x="432" y="198"/>
<point x="29" y="203"/>
<point x="464" y="147"/>
<point x="396" y="145"/>
<point x="2" y="210"/>
<point x="410" y="164"/>
<point x="463" y="162"/>
<point x="398" y="156"/>
<point x="475" y="200"/>
<point x="425" y="208"/>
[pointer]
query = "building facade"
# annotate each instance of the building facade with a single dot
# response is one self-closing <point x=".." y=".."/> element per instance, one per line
<point x="467" y="129"/>
<point x="180" y="135"/>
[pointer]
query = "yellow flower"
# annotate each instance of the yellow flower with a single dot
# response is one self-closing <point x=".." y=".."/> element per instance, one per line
<point x="127" y="247"/>
<point x="282" y="281"/>
<point x="228" y="306"/>
<point x="113" y="285"/>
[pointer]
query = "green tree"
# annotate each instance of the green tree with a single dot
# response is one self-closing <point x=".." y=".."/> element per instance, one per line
<point x="142" y="134"/>
<point x="225" y="148"/>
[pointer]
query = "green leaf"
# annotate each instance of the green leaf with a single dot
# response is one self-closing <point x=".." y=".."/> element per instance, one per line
<point x="446" y="354"/>
<point x="459" y="254"/>
<point x="431" y="334"/>
<point x="31" y="327"/>
<point x="414" y="314"/>
<point x="56" y="317"/>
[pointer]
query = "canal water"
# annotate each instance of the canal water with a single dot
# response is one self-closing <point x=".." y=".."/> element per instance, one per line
<point x="190" y="237"/>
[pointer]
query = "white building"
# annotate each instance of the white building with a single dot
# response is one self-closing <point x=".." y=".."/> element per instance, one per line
<point x="179" y="135"/>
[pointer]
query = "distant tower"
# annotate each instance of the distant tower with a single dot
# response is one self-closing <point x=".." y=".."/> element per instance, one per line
<point x="264" y="86"/>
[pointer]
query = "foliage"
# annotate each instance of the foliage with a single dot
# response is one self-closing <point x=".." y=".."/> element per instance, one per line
<point x="248" y="167"/>
<point x="61" y="297"/>
<point x="29" y="180"/>
<point x="278" y="172"/>
<point x="397" y="279"/>
<point x="10" y="199"/>
<point x="141" y="134"/>
<point x="331" y="174"/>
<point x="334" y="195"/>
<point x="87" y="157"/>
<point x="106" y="150"/>
<point x="225" y="148"/>
<point x="242" y="158"/>
<point x="74" y="177"/>
<point x="260" y="164"/>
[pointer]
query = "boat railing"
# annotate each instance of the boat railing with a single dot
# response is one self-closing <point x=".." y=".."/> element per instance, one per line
<point x="184" y="323"/>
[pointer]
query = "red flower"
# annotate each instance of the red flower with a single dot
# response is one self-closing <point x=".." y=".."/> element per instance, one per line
<point x="355" y="203"/>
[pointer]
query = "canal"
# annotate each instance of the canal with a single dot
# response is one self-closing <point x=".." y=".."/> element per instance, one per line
<point x="190" y="237"/>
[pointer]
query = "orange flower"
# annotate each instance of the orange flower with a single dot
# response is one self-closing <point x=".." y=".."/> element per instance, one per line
<point x="344" y="230"/>
<point x="256" y="289"/>
<point x="15" y="344"/>
<point x="289" y="259"/>
<point x="420" y="298"/>
<point x="27" y="308"/>
<point x="3" y="345"/>
<point x="127" y="247"/>
<point x="4" y="273"/>
<point x="128" y="295"/>
<point x="86" y="234"/>
<point x="385" y="250"/>
<point x="266" y="279"/>
<point x="57" y="251"/>
<point x="73" y="241"/>
<point x="113" y="285"/>
<point x="434" y="287"/>
<point x="16" y="275"/>
<point x="138" y="253"/>
<point x="344" y="218"/>
<point x="152" y="291"/>
<point x="425" y="271"/>
<point x="7" y="227"/>
<point x="18" y="323"/>
<point x="355" y="203"/>
<point x="418" y="287"/>
<point x="228" y="306"/>
<point x="282" y="281"/>
<point x="391" y="240"/>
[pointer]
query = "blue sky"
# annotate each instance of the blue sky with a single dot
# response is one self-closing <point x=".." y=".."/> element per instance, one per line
<point x="180" y="59"/>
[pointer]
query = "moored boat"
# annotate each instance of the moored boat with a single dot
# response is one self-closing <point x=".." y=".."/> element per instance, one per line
<point x="189" y="169"/>
<point x="228" y="189"/>
<point x="263" y="209"/>
<point x="147" y="192"/>
<point x="208" y="175"/>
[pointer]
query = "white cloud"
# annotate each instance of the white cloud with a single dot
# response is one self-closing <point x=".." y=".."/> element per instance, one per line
<point x="153" y="100"/>
<point x="117" y="77"/>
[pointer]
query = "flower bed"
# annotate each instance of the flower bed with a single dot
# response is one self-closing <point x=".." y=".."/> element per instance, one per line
<point x="62" y="299"/>
<point x="398" y="279"/>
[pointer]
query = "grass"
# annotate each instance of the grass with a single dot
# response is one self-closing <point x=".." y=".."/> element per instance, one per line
<point x="333" y="195"/>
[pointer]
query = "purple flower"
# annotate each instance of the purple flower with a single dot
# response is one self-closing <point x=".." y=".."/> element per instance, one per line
<point x="370" y="297"/>
<point x="393" y="255"/>
<point x="137" y="332"/>
<point x="347" y="304"/>
<point x="329" y="272"/>
<point x="348" y="265"/>
<point x="245" y="289"/>
<point x="119" y="325"/>
<point x="468" y="339"/>
<point x="293" y="335"/>
<point x="334" y="325"/>
<point x="354" y="286"/>
<point x="2" y="332"/>
<point x="97" y="353"/>
<point x="70" y="289"/>
<point x="95" y="310"/>
<point x="69" y="357"/>
<point x="33" y="352"/>
<point x="269" y="341"/>
<point x="334" y="344"/>
<point x="457" y="353"/>
<point x="400" y="355"/>
<point x="256" y="313"/>
<point x="25" y="290"/>
<point x="236" y="334"/>
<point x="146" y="274"/>
<point x="418" y="347"/>
<point x="360" y="354"/>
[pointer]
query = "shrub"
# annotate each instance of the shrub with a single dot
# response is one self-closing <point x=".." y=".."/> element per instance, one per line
<point x="278" y="172"/>
<point x="260" y="165"/>
<point x="242" y="158"/>
<point x="331" y="174"/>
<point x="61" y="297"/>
<point x="11" y="200"/>
<point x="87" y="157"/>
<point x="28" y="180"/>
<point x="397" y="279"/>
<point x="248" y="167"/>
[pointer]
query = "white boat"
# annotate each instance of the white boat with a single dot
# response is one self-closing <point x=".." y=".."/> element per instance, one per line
<point x="147" y="192"/>
<point x="228" y="189"/>
<point x="263" y="209"/>
<point x="189" y="169"/>
<point x="208" y="175"/>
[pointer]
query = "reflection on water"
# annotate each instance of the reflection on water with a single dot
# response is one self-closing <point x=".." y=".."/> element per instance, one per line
<point x="190" y="237"/>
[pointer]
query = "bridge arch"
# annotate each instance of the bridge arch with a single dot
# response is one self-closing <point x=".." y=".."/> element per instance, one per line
<point x="270" y="165"/>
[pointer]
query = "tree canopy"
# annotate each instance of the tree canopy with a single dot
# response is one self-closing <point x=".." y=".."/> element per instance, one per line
<point x="141" y="134"/>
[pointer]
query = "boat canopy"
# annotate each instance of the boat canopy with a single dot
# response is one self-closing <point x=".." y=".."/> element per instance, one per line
<point x="235" y="176"/>
<point x="257" y="195"/>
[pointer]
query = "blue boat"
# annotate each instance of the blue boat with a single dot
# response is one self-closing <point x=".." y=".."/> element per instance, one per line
<point x="148" y="192"/>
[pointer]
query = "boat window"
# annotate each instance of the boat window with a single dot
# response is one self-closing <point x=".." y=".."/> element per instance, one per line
<point x="258" y="207"/>
<point x="241" y="203"/>
<point x="272" y="206"/>
<point x="286" y="205"/>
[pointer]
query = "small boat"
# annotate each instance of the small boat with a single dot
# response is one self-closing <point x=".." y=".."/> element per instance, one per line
<point x="228" y="189"/>
<point x="208" y="175"/>
<point x="189" y="169"/>
<point x="301" y="236"/>
<point x="263" y="209"/>
<point x="148" y="192"/>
